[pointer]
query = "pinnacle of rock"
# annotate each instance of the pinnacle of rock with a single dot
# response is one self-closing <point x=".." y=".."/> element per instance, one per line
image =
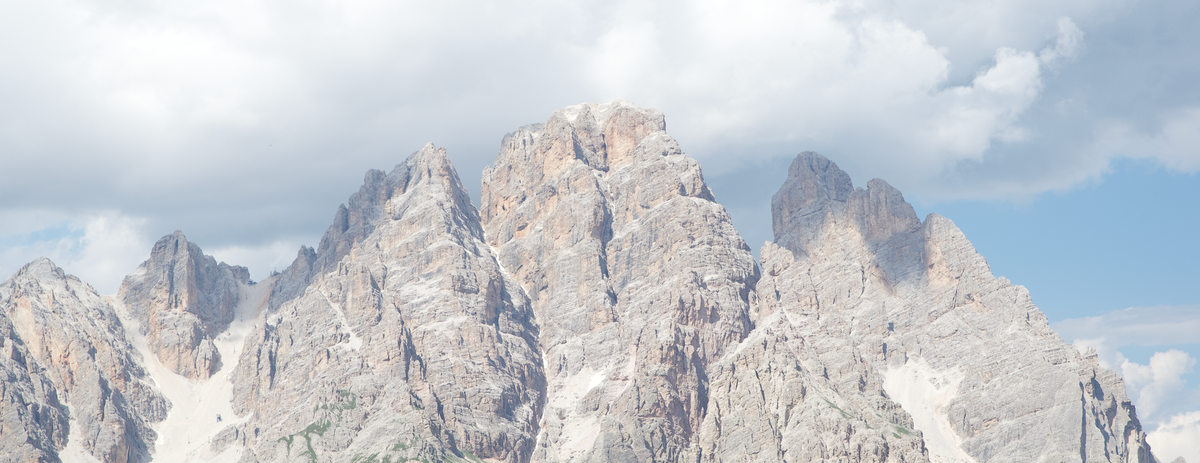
<point x="413" y="343"/>
<point x="183" y="298"/>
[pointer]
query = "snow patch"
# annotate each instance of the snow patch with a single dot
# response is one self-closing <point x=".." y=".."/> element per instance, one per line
<point x="923" y="392"/>
<point x="74" y="452"/>
<point x="192" y="420"/>
<point x="580" y="432"/>
<point x="355" y="342"/>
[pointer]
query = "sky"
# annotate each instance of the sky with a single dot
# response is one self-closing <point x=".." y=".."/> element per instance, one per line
<point x="1063" y="137"/>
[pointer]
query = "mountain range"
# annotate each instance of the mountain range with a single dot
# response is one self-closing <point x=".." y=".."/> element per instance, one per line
<point x="597" y="305"/>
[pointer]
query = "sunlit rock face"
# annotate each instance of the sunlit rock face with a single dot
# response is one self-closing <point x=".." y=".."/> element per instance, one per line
<point x="638" y="278"/>
<point x="894" y="310"/>
<point x="598" y="306"/>
<point x="414" y="344"/>
<point x="70" y="373"/>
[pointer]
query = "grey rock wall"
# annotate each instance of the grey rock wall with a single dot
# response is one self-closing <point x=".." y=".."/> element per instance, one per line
<point x="881" y="298"/>
<point x="67" y="357"/>
<point x="638" y="278"/>
<point x="183" y="298"/>
<point x="414" y="344"/>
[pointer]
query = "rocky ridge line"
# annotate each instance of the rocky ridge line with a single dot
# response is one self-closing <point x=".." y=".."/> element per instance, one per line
<point x="414" y="344"/>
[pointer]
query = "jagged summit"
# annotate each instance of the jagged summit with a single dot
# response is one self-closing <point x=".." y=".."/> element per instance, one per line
<point x="817" y="193"/>
<point x="597" y="306"/>
<point x="910" y="311"/>
<point x="637" y="277"/>
<point x="356" y="219"/>
<point x="183" y="299"/>
<point x="412" y="344"/>
<point x="72" y="384"/>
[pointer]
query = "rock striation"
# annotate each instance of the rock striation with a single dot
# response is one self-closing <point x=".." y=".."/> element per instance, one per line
<point x="410" y="342"/>
<point x="351" y="224"/>
<point x="183" y="299"/>
<point x="69" y="373"/>
<point x="636" y="275"/>
<point x="896" y="310"/>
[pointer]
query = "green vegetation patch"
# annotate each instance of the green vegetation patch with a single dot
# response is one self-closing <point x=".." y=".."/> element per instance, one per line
<point x="319" y="427"/>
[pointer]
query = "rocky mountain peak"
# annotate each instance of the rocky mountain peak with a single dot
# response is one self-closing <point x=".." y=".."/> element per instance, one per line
<point x="598" y="306"/>
<point x="183" y="298"/>
<point x="910" y="312"/>
<point x="601" y="135"/>
<point x="636" y="275"/>
<point x="69" y="372"/>
<point x="817" y="194"/>
<point x="356" y="219"/>
<point x="414" y="344"/>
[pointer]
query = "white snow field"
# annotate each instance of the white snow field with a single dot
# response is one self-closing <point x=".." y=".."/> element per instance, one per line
<point x="923" y="392"/>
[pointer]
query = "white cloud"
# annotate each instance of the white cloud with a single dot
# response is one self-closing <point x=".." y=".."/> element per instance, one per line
<point x="1177" y="437"/>
<point x="1158" y="389"/>
<point x="816" y="74"/>
<point x="1167" y="405"/>
<point x="1070" y="40"/>
<point x="1142" y="326"/>
<point x="100" y="249"/>
<point x="1174" y="142"/>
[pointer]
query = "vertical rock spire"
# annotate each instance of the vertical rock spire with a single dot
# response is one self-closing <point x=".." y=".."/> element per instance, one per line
<point x="183" y="298"/>
<point x="637" y="277"/>
<point x="408" y="342"/>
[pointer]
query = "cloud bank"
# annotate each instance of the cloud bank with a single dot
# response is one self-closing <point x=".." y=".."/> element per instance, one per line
<point x="245" y="123"/>
<point x="1167" y="405"/>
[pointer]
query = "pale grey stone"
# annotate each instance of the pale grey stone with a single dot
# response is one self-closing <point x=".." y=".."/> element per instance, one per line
<point x="870" y="290"/>
<point x="183" y="298"/>
<point x="65" y="347"/>
<point x="637" y="277"/>
<point x="409" y="342"/>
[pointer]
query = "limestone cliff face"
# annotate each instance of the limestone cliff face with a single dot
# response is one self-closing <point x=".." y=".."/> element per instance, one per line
<point x="183" y="299"/>
<point x="412" y="344"/>
<point x="351" y="224"/>
<point x="599" y="306"/>
<point x="33" y="418"/>
<point x="895" y="307"/>
<point x="638" y="278"/>
<point x="69" y="371"/>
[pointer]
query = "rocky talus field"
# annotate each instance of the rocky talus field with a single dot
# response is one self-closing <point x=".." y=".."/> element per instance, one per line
<point x="598" y="305"/>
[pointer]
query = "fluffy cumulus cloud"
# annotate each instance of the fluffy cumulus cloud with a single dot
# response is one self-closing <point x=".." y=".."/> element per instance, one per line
<point x="99" y="249"/>
<point x="1167" y="405"/>
<point x="245" y="123"/>
<point x="1178" y="437"/>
